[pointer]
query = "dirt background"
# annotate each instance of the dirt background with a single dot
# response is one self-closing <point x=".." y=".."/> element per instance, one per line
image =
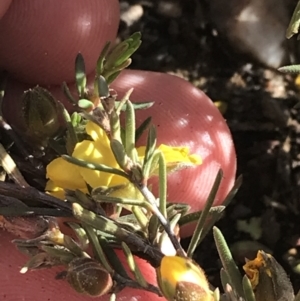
<point x="263" y="117"/>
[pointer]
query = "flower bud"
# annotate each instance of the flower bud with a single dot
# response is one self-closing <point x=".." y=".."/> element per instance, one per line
<point x="268" y="279"/>
<point x="181" y="279"/>
<point x="40" y="114"/>
<point x="88" y="277"/>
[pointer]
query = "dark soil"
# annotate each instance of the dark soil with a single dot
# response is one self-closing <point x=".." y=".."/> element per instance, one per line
<point x="263" y="120"/>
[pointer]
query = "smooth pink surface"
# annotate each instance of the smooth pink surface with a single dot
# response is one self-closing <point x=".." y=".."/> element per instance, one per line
<point x="41" y="285"/>
<point x="41" y="40"/>
<point x="184" y="115"/>
<point x="4" y="5"/>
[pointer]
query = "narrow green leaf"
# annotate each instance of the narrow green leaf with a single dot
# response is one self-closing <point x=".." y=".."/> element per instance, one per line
<point x="113" y="258"/>
<point x="103" y="88"/>
<point x="75" y="119"/>
<point x="174" y="208"/>
<point x="151" y="201"/>
<point x="134" y="267"/>
<point x="83" y="199"/>
<point x="122" y="201"/>
<point x="85" y="104"/>
<point x="164" y="238"/>
<point x="237" y="184"/>
<point x="228" y="262"/>
<point x="135" y="39"/>
<point x="112" y="76"/>
<point x="162" y="185"/>
<point x="72" y="138"/>
<point x="80" y="75"/>
<point x="140" y="217"/>
<point x="62" y="254"/>
<point x="94" y="166"/>
<point x="114" y="54"/>
<point x="115" y="126"/>
<point x="143" y="105"/>
<point x="80" y="234"/>
<point x="190" y="218"/>
<point x="215" y="214"/>
<point x="123" y="51"/>
<point x="40" y="261"/>
<point x="225" y="280"/>
<point x="129" y="222"/>
<point x="137" y="105"/>
<point x="101" y="59"/>
<point x="293" y="27"/>
<point x="110" y="229"/>
<point x="249" y="294"/>
<point x="150" y="148"/>
<point x="294" y="69"/>
<point x="70" y="244"/>
<point x="203" y="218"/>
<point x="119" y="153"/>
<point x="68" y="93"/>
<point x="153" y="227"/>
<point x="134" y="43"/>
<point x="122" y="104"/>
<point x="97" y="249"/>
<point x="142" y="128"/>
<point x="100" y="223"/>
<point x="124" y="64"/>
<point x="130" y="132"/>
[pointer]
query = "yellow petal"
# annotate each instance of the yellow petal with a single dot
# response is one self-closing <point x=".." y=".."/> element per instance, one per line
<point x="94" y="152"/>
<point x="117" y="180"/>
<point x="129" y="191"/>
<point x="222" y="106"/>
<point x="179" y="154"/>
<point x="57" y="191"/>
<point x="54" y="190"/>
<point x="65" y="174"/>
<point x="97" y="133"/>
<point x="297" y="81"/>
<point x="174" y="154"/>
<point x="174" y="271"/>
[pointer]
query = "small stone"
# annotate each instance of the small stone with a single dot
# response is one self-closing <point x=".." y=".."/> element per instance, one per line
<point x="132" y="14"/>
<point x="169" y="8"/>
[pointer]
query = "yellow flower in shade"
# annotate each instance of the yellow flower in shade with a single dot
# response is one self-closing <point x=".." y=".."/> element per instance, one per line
<point x="64" y="175"/>
<point x="181" y="279"/>
<point x="268" y="279"/>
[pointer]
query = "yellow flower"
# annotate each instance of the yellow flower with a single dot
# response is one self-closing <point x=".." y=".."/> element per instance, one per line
<point x="252" y="268"/>
<point x="64" y="175"/>
<point x="180" y="278"/>
<point x="268" y="279"/>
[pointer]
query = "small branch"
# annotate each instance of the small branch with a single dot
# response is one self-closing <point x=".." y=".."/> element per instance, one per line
<point x="31" y="194"/>
<point x="19" y="143"/>
<point x="133" y="284"/>
<point x="166" y="225"/>
<point x="11" y="168"/>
